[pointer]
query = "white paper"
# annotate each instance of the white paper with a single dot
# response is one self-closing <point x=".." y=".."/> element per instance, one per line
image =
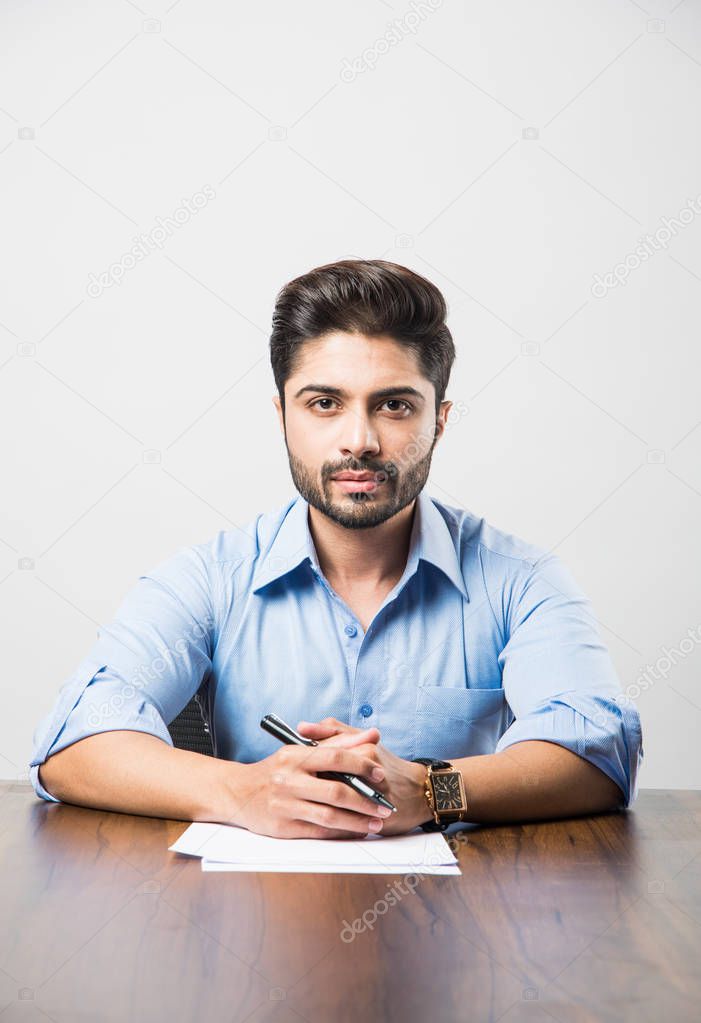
<point x="212" y="866"/>
<point x="246" y="850"/>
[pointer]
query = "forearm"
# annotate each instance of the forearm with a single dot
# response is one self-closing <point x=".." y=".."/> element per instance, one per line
<point x="134" y="772"/>
<point x="535" y="780"/>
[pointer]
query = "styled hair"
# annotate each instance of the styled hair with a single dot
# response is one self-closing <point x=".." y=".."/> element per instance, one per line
<point x="365" y="296"/>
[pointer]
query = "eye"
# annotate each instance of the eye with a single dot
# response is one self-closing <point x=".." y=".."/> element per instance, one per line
<point x="399" y="401"/>
<point x="316" y="400"/>
<point x="406" y="408"/>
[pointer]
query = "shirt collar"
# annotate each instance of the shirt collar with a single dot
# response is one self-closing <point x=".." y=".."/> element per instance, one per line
<point x="430" y="541"/>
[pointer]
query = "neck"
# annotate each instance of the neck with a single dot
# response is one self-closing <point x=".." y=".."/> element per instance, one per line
<point x="369" y="557"/>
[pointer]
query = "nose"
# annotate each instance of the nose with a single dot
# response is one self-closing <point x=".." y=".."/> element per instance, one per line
<point x="358" y="436"/>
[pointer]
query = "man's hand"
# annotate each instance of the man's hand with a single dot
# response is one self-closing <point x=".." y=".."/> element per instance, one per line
<point x="403" y="784"/>
<point x="283" y="796"/>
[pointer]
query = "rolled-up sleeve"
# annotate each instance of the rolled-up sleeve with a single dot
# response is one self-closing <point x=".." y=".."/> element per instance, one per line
<point x="559" y="680"/>
<point x="145" y="667"/>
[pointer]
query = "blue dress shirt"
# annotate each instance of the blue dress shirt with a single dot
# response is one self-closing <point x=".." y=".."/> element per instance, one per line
<point x="485" y="641"/>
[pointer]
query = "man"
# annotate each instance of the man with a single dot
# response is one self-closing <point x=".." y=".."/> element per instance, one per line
<point x="455" y="667"/>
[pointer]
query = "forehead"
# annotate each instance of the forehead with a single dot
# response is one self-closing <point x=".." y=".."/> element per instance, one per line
<point x="358" y="361"/>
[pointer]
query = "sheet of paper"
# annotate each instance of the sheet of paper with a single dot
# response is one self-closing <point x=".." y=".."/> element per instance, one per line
<point x="223" y="843"/>
<point x="270" y="868"/>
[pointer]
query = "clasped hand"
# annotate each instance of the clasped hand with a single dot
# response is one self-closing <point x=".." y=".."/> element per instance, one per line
<point x="286" y="798"/>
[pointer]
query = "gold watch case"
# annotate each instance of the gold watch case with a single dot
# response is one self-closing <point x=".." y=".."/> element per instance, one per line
<point x="446" y="793"/>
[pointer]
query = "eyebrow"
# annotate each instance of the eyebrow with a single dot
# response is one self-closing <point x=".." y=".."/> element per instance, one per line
<point x="385" y="392"/>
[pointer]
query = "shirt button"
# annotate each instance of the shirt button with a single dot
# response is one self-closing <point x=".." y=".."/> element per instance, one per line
<point x="350" y="630"/>
<point x="366" y="710"/>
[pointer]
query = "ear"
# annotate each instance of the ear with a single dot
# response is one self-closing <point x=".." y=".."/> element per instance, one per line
<point x="441" y="418"/>
<point x="278" y="406"/>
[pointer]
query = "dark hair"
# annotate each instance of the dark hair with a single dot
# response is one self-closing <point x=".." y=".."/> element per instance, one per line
<point x="366" y="296"/>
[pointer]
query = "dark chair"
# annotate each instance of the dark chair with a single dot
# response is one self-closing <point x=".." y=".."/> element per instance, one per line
<point x="189" y="730"/>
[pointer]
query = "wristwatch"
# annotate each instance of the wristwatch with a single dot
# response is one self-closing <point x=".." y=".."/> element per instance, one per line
<point x="445" y="793"/>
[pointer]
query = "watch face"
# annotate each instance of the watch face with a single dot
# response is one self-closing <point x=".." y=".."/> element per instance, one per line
<point x="447" y="791"/>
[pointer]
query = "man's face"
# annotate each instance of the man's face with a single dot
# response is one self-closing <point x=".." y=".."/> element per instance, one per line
<point x="338" y="420"/>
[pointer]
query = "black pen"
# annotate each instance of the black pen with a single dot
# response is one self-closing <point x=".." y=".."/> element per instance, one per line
<point x="282" y="731"/>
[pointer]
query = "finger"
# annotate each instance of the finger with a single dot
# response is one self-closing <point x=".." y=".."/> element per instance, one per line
<point x="346" y="736"/>
<point x="355" y="738"/>
<point x="348" y="761"/>
<point x="303" y="829"/>
<point x="324" y="788"/>
<point x="364" y="758"/>
<point x="336" y="793"/>
<point x="319" y="729"/>
<point x="333" y="817"/>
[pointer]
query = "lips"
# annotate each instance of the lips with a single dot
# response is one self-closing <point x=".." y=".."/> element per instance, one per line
<point x="355" y="486"/>
<point x="357" y="482"/>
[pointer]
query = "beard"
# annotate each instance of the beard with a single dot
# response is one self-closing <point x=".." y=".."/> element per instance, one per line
<point x="363" y="509"/>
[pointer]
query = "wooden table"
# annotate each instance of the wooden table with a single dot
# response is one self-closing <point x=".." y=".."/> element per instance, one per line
<point x="587" y="919"/>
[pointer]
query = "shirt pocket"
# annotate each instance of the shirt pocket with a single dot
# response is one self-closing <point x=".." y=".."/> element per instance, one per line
<point x="454" y="722"/>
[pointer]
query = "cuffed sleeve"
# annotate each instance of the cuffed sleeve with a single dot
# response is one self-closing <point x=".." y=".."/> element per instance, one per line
<point x="146" y="665"/>
<point x="603" y="731"/>
<point x="559" y="679"/>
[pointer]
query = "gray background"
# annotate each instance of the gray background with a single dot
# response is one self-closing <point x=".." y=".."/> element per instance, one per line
<point x="508" y="151"/>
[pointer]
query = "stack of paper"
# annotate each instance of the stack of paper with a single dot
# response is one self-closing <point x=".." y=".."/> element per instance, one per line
<point x="224" y="847"/>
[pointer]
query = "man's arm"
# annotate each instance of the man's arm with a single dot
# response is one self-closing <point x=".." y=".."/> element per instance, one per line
<point x="573" y="747"/>
<point x="561" y="685"/>
<point x="145" y="667"/>
<point x="137" y="773"/>
<point x="528" y="781"/>
<point x="134" y="772"/>
<point x="533" y="780"/>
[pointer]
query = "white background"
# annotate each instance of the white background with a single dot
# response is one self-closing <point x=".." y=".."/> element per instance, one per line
<point x="508" y="151"/>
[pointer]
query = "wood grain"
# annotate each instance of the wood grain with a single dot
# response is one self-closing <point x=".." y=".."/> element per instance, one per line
<point x="583" y="920"/>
